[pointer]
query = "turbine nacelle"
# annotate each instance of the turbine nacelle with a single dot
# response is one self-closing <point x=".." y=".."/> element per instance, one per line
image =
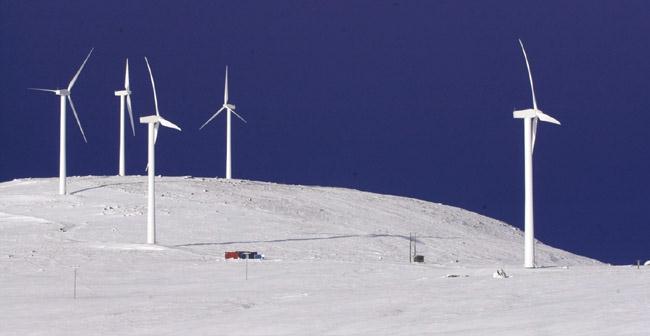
<point x="149" y="119"/>
<point x="522" y="114"/>
<point x="229" y="106"/>
<point x="533" y="113"/>
<point x="158" y="119"/>
<point x="123" y="93"/>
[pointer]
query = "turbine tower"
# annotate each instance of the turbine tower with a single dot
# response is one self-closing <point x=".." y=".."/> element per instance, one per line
<point x="153" y="121"/>
<point x="230" y="108"/>
<point x="125" y="95"/>
<point x="66" y="93"/>
<point x="531" y="118"/>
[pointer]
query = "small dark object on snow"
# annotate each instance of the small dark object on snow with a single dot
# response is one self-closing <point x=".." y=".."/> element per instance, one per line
<point x="232" y="255"/>
<point x="247" y="255"/>
<point x="243" y="255"/>
<point x="418" y="258"/>
<point x="500" y="274"/>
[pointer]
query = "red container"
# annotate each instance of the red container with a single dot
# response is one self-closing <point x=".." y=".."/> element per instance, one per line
<point x="232" y="255"/>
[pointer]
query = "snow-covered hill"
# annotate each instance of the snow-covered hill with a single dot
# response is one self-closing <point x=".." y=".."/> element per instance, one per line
<point x="336" y="263"/>
<point x="208" y="216"/>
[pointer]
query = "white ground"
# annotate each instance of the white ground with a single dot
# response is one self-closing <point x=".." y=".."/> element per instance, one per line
<point x="336" y="263"/>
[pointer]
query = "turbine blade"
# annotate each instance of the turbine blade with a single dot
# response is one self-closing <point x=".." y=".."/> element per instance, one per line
<point x="127" y="85"/>
<point x="153" y="86"/>
<point x="169" y="124"/>
<point x="213" y="116"/>
<point x="238" y="116"/>
<point x="74" y="79"/>
<point x="225" y="90"/>
<point x="547" y="118"/>
<point x="74" y="111"/>
<point x="155" y="132"/>
<point x="534" y="134"/>
<point x="128" y="105"/>
<point x="530" y="75"/>
<point x="46" y="90"/>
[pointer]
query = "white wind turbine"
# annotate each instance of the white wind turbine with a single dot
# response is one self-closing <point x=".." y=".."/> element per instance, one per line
<point x="125" y="95"/>
<point x="153" y="121"/>
<point x="230" y="108"/>
<point x="66" y="93"/>
<point x="530" y="117"/>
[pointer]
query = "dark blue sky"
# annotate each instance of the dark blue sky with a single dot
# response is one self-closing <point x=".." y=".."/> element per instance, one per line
<point x="407" y="98"/>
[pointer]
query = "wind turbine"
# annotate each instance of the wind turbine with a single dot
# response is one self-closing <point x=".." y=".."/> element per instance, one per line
<point x="125" y="95"/>
<point x="531" y="118"/>
<point x="66" y="93"/>
<point x="153" y="121"/>
<point x="230" y="108"/>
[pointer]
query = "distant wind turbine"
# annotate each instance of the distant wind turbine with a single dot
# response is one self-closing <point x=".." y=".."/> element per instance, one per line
<point x="125" y="95"/>
<point x="531" y="118"/>
<point x="230" y="108"/>
<point x="153" y="121"/>
<point x="63" y="93"/>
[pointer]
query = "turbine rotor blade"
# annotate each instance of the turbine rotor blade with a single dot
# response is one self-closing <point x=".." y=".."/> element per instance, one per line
<point x="238" y="116"/>
<point x="225" y="90"/>
<point x="128" y="105"/>
<point x="153" y="86"/>
<point x="127" y="85"/>
<point x="530" y="75"/>
<point x="213" y="116"/>
<point x="74" y="111"/>
<point x="547" y="118"/>
<point x="169" y="124"/>
<point x="74" y="79"/>
<point x="38" y="89"/>
<point x="155" y="133"/>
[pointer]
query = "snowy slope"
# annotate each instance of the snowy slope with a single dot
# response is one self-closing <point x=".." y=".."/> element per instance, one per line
<point x="208" y="216"/>
<point x="337" y="263"/>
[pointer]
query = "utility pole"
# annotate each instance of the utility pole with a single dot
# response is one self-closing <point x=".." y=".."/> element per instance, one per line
<point x="415" y="244"/>
<point x="410" y="247"/>
<point x="247" y="254"/>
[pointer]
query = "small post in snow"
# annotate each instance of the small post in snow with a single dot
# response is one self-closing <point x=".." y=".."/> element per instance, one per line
<point x="74" y="295"/>
<point x="247" y="254"/>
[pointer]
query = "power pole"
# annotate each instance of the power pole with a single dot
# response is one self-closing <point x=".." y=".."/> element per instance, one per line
<point x="410" y="247"/>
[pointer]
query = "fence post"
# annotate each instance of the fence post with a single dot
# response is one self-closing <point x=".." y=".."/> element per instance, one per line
<point x="75" y="284"/>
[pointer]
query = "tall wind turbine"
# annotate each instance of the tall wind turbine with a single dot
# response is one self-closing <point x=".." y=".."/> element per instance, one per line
<point x="66" y="93"/>
<point x="125" y="95"/>
<point x="153" y="121"/>
<point x="531" y="118"/>
<point x="230" y="108"/>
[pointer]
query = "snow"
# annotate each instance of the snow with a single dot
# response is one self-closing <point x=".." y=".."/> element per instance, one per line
<point x="336" y="263"/>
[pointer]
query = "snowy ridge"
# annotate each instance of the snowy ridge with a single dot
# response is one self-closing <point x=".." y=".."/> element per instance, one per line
<point x="208" y="216"/>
